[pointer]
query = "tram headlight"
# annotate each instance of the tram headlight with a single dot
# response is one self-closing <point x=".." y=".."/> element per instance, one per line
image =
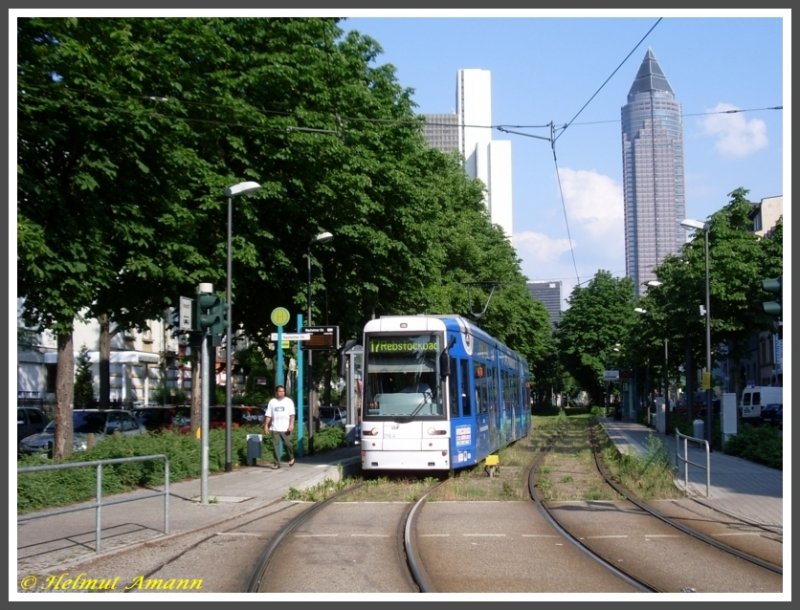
<point x="436" y="432"/>
<point x="370" y="432"/>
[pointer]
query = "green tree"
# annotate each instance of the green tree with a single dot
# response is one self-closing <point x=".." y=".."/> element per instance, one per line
<point x="84" y="389"/>
<point x="600" y="318"/>
<point x="738" y="261"/>
<point x="95" y="161"/>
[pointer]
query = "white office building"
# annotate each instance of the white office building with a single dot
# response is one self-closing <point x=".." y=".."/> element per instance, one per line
<point x="484" y="158"/>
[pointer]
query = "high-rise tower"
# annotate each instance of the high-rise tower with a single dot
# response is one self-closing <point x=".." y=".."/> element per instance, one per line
<point x="469" y="130"/>
<point x="653" y="174"/>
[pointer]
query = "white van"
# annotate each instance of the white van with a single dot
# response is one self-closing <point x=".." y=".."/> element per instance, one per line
<point x="754" y="398"/>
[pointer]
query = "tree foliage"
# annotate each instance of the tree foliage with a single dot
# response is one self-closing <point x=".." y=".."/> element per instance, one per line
<point x="594" y="328"/>
<point x="738" y="262"/>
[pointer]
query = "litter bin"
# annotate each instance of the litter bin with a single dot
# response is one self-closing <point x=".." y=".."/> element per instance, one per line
<point x="253" y="448"/>
<point x="698" y="428"/>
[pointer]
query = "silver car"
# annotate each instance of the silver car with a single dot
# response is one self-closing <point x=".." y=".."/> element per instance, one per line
<point x="103" y="423"/>
<point x="332" y="416"/>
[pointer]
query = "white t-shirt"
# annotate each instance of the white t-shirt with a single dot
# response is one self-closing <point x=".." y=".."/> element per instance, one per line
<point x="280" y="411"/>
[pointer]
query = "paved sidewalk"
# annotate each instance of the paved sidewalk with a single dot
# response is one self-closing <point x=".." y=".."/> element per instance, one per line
<point x="738" y="487"/>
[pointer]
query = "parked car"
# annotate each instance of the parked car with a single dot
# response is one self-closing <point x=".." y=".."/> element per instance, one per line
<point x="103" y="423"/>
<point x="773" y="414"/>
<point x="250" y="415"/>
<point x="30" y="420"/>
<point x="332" y="416"/>
<point x="166" y="418"/>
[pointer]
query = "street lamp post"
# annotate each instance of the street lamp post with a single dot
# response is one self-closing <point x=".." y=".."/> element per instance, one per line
<point x="230" y="192"/>
<point x="642" y="311"/>
<point x="665" y="381"/>
<point x="318" y="239"/>
<point x="704" y="226"/>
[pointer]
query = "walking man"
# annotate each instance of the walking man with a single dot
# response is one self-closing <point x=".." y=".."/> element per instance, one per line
<point x="279" y="420"/>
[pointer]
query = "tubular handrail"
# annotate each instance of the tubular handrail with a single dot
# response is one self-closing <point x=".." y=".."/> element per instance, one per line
<point x="98" y="503"/>
<point x="686" y="461"/>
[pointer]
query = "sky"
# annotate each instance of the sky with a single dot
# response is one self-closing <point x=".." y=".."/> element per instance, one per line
<point x="576" y="72"/>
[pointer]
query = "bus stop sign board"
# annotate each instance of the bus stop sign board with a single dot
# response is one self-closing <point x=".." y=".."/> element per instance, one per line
<point x="280" y="316"/>
<point x="322" y="337"/>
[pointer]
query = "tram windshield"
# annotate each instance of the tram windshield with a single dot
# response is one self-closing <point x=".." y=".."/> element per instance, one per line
<point x="401" y="377"/>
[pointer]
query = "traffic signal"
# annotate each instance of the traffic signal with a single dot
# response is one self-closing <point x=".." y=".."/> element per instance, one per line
<point x="773" y="285"/>
<point x="219" y="311"/>
<point x="206" y="313"/>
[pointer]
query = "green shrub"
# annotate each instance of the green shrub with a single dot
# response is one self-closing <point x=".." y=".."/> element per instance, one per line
<point x="761" y="444"/>
<point x="329" y="438"/>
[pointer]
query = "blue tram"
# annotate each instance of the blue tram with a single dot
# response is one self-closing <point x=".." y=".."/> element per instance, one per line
<point x="439" y="394"/>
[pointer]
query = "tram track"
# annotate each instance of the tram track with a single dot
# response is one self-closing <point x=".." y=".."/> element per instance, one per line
<point x="590" y="525"/>
<point x="651" y="510"/>
<point x="399" y="548"/>
<point x="255" y="580"/>
<point x="538" y="499"/>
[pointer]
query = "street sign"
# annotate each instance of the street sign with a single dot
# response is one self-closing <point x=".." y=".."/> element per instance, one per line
<point x="185" y="314"/>
<point x="610" y="375"/>
<point x="280" y="316"/>
<point x="290" y="336"/>
<point x="322" y="337"/>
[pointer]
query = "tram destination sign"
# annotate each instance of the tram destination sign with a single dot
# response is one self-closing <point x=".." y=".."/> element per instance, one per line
<point x="322" y="337"/>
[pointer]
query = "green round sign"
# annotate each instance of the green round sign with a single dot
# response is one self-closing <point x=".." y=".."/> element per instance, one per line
<point x="280" y="316"/>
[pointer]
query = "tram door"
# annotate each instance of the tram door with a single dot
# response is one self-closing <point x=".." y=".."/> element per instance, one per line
<point x="462" y="410"/>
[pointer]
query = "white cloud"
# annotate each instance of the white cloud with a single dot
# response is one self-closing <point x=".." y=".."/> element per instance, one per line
<point x="735" y="135"/>
<point x="539" y="249"/>
<point x="594" y="202"/>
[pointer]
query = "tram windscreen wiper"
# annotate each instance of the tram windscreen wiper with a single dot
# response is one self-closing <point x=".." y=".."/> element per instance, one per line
<point x="419" y="406"/>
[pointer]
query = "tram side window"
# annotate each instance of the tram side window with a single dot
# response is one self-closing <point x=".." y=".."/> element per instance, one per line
<point x="494" y="389"/>
<point x="509" y="397"/>
<point x="482" y="390"/>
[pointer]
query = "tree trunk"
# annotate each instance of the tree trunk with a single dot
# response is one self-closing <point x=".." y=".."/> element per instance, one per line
<point x="65" y="381"/>
<point x="104" y="361"/>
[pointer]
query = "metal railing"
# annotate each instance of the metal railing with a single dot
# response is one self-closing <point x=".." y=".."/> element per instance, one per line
<point x="98" y="503"/>
<point x="684" y="459"/>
